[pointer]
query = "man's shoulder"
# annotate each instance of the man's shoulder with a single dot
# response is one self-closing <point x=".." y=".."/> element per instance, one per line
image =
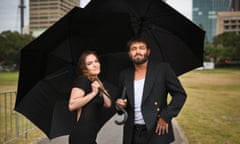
<point x="158" y="64"/>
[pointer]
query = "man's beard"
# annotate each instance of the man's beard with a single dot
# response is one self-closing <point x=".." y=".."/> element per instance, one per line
<point x="140" y="61"/>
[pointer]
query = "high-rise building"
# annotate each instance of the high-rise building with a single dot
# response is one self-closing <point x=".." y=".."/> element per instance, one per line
<point x="44" y="13"/>
<point x="205" y="14"/>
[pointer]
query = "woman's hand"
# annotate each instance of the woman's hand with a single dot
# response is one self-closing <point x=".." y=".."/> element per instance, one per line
<point x="95" y="88"/>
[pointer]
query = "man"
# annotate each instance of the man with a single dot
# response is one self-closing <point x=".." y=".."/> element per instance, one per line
<point x="147" y="85"/>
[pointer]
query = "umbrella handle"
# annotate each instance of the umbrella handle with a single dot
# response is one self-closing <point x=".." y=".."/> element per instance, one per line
<point x="124" y="113"/>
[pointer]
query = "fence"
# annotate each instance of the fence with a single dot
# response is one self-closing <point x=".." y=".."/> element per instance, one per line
<point x="12" y="124"/>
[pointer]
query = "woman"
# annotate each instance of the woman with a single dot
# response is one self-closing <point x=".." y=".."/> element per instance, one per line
<point x="88" y="97"/>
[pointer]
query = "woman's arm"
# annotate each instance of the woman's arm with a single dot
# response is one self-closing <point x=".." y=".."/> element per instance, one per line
<point x="78" y="98"/>
<point x="107" y="100"/>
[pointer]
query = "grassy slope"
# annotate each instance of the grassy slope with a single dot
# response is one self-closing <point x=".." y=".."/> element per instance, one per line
<point x="211" y="113"/>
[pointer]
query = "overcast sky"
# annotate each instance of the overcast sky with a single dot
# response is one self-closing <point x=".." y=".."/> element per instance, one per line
<point x="10" y="13"/>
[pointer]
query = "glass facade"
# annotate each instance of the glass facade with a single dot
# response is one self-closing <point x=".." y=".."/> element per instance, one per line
<point x="204" y="14"/>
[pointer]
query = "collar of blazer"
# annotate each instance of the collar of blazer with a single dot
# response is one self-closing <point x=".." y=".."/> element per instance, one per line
<point x="150" y="78"/>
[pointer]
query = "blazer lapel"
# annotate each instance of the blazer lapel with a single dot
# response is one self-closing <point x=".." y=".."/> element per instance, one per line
<point x="129" y="87"/>
<point x="149" y="80"/>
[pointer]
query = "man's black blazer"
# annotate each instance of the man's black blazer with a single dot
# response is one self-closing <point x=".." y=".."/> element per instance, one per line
<point x="160" y="81"/>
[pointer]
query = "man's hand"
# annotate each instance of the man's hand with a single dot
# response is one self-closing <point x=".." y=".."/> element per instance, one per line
<point x="162" y="127"/>
<point x="121" y="102"/>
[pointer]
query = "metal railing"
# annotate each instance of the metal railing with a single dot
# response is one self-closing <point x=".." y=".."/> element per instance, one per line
<point x="12" y="124"/>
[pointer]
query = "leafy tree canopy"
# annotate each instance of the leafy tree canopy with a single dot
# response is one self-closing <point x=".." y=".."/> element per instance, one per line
<point x="10" y="45"/>
<point x="224" y="46"/>
<point x="227" y="39"/>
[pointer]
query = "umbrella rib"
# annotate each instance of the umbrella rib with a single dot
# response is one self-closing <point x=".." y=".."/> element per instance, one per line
<point x="148" y="8"/>
<point x="70" y="40"/>
<point x="161" y="52"/>
<point x="55" y="75"/>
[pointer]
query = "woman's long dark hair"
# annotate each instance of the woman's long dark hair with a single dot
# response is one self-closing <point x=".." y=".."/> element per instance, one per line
<point x="84" y="71"/>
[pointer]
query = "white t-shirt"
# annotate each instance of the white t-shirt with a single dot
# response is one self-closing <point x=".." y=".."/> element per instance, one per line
<point x="138" y="94"/>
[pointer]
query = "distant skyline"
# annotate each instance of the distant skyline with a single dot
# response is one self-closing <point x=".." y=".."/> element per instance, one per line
<point x="10" y="13"/>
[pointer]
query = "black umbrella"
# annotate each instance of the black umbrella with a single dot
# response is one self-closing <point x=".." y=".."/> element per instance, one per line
<point x="48" y="65"/>
<point x="171" y="36"/>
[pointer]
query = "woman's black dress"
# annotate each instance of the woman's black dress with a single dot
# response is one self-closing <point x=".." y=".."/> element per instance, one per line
<point x="86" y="129"/>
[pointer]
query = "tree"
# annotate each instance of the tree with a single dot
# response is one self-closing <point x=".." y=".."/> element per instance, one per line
<point x="218" y="54"/>
<point x="227" y="39"/>
<point x="10" y="45"/>
<point x="224" y="46"/>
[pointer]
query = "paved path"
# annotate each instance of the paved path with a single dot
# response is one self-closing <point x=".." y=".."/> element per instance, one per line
<point x="112" y="134"/>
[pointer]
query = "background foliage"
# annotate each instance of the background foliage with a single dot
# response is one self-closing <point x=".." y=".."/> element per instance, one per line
<point x="225" y="47"/>
<point x="10" y="45"/>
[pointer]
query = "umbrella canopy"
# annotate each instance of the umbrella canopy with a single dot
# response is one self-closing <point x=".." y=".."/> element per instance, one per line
<point x="48" y="65"/>
<point x="171" y="36"/>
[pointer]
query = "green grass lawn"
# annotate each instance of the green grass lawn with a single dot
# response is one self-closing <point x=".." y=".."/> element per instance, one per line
<point x="211" y="113"/>
<point x="8" y="76"/>
<point x="8" y="81"/>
